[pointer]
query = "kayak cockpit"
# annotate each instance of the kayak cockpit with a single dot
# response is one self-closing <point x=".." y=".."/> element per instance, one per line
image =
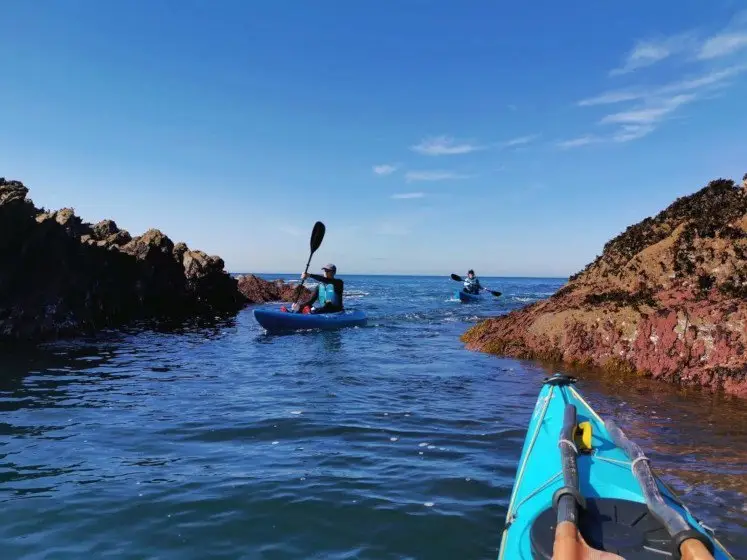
<point x="620" y="527"/>
<point x="584" y="491"/>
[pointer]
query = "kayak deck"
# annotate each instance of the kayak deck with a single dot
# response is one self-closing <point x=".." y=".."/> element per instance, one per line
<point x="275" y="320"/>
<point x="605" y="479"/>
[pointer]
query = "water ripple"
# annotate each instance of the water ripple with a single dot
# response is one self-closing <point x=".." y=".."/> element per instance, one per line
<point x="215" y="439"/>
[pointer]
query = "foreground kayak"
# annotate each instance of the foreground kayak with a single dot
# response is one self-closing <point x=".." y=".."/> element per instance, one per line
<point x="276" y="320"/>
<point x="468" y="298"/>
<point x="582" y="487"/>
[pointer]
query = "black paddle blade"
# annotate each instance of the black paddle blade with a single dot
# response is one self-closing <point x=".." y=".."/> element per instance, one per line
<point x="317" y="234"/>
<point x="456" y="278"/>
<point x="496" y="294"/>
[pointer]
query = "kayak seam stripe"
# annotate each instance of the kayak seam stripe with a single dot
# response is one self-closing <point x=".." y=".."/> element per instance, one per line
<point x="520" y="474"/>
<point x="588" y="407"/>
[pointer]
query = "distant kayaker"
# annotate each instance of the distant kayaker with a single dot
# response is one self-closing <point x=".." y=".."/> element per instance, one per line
<point x="472" y="283"/>
<point x="327" y="298"/>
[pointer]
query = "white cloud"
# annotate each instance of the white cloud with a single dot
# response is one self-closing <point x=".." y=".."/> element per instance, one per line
<point x="691" y="45"/>
<point x="434" y="176"/>
<point x="610" y="97"/>
<point x="652" y="113"/>
<point x="651" y="105"/>
<point x="723" y="45"/>
<point x="578" y="142"/>
<point x="643" y="120"/>
<point x="384" y="169"/>
<point x="409" y="195"/>
<point x="444" y="146"/>
<point x="655" y="103"/>
<point x="629" y="132"/>
<point x="520" y="141"/>
<point x="716" y="78"/>
<point x="649" y="52"/>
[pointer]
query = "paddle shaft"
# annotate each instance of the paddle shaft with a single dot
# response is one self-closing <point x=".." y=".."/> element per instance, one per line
<point x="299" y="290"/>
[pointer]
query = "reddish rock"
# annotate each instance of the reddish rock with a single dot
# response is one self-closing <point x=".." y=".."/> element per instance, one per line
<point x="666" y="299"/>
<point x="257" y="290"/>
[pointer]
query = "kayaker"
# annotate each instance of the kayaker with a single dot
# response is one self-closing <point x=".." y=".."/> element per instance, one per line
<point x="327" y="298"/>
<point x="472" y="283"/>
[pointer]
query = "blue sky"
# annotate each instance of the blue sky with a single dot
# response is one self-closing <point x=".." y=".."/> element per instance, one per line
<point x="429" y="136"/>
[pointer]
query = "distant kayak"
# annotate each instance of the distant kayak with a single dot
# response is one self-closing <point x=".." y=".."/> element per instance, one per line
<point x="276" y="320"/>
<point x="468" y="298"/>
<point x="579" y="473"/>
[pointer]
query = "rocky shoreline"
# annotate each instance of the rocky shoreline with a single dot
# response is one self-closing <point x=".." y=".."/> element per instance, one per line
<point x="667" y="299"/>
<point x="61" y="276"/>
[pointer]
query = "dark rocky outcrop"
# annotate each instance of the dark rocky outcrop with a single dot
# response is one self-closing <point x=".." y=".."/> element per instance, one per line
<point x="667" y="299"/>
<point x="62" y="276"/>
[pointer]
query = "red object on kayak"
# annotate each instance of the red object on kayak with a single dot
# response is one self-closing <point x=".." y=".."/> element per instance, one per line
<point x="306" y="310"/>
<point x="284" y="309"/>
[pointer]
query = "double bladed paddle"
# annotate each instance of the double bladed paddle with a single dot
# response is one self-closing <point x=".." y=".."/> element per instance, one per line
<point x="458" y="278"/>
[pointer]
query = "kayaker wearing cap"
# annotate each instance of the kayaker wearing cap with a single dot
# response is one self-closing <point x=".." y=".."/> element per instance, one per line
<point x="327" y="298"/>
<point x="472" y="283"/>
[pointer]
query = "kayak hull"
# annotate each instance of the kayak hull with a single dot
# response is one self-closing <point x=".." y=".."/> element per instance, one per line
<point x="464" y="297"/>
<point x="605" y="474"/>
<point x="274" y="320"/>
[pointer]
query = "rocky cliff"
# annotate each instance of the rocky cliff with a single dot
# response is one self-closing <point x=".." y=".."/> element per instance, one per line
<point x="667" y="299"/>
<point x="60" y="275"/>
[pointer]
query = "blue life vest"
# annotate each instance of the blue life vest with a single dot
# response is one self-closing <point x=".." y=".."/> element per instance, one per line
<point x="472" y="285"/>
<point x="326" y="295"/>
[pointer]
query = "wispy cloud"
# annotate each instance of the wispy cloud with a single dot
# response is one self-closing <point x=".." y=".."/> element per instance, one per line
<point x="651" y="105"/>
<point x="411" y="176"/>
<point x="444" y="146"/>
<point x="723" y="45"/>
<point x="615" y="96"/>
<point x="578" y="142"/>
<point x="409" y="195"/>
<point x="629" y="132"/>
<point x="716" y="78"/>
<point x="691" y="45"/>
<point x="654" y="104"/>
<point x="652" y="113"/>
<point x="649" y="52"/>
<point x="384" y="169"/>
<point x="520" y="141"/>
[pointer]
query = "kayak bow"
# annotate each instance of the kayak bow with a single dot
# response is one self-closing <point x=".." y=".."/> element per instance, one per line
<point x="583" y="490"/>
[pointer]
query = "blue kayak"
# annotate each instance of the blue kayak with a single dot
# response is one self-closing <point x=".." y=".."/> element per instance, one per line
<point x="582" y="486"/>
<point x="464" y="297"/>
<point x="276" y="320"/>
